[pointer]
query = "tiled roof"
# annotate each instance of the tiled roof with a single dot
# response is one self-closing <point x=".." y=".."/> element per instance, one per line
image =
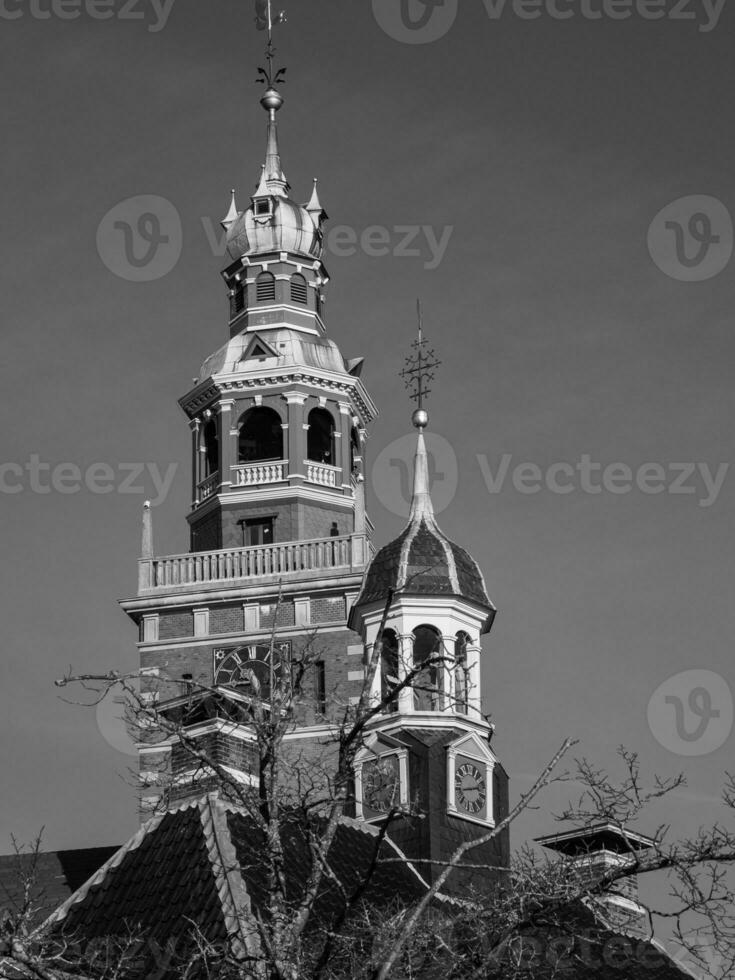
<point x="204" y="863"/>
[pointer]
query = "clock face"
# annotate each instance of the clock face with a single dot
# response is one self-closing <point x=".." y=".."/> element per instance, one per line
<point x="470" y="790"/>
<point x="248" y="668"/>
<point x="381" y="784"/>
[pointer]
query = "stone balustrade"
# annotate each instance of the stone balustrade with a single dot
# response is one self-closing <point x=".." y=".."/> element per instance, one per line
<point x="290" y="559"/>
<point x="321" y="474"/>
<point x="258" y="474"/>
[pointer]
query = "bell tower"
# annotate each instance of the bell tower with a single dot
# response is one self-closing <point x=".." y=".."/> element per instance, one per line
<point x="428" y="763"/>
<point x="279" y="536"/>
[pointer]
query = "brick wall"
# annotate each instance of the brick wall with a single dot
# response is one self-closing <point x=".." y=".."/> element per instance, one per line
<point x="227" y="619"/>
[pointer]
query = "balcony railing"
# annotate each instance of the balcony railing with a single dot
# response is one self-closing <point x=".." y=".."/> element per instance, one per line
<point x="321" y="473"/>
<point x="257" y="474"/>
<point x="207" y="487"/>
<point x="289" y="559"/>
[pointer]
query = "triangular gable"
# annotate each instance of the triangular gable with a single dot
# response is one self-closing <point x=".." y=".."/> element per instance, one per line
<point x="377" y="744"/>
<point x="258" y="348"/>
<point x="473" y="746"/>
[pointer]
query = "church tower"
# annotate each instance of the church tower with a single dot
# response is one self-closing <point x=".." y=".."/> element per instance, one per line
<point x="281" y="560"/>
<point x="279" y="536"/>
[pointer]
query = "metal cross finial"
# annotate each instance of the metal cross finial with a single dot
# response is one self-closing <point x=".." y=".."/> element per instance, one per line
<point x="419" y="371"/>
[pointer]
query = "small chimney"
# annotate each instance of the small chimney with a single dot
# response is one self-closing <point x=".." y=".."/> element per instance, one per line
<point x="598" y="849"/>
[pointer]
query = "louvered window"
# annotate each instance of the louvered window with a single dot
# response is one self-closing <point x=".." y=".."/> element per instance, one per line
<point x="298" y="289"/>
<point x="266" y="287"/>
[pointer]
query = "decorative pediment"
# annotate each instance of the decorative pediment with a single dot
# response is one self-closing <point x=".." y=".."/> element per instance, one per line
<point x="474" y="746"/>
<point x="258" y="348"/>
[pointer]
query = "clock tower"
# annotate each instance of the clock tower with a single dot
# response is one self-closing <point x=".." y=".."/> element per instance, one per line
<point x="428" y="763"/>
<point x="279" y="538"/>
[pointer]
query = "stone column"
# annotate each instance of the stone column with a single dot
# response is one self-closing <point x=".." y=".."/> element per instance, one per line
<point x="343" y="444"/>
<point x="195" y="425"/>
<point x="474" y="703"/>
<point x="405" y="662"/>
<point x="224" y="434"/>
<point x="296" y="436"/>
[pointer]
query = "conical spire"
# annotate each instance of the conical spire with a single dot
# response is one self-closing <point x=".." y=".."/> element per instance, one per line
<point x="232" y="215"/>
<point x="421" y="505"/>
<point x="273" y="173"/>
<point x="315" y="209"/>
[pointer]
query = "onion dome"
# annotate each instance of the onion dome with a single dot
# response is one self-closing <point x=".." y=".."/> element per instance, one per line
<point x="422" y="561"/>
<point x="274" y="222"/>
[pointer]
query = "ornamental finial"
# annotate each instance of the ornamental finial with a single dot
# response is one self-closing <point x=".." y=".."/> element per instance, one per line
<point x="419" y="371"/>
<point x="265" y="20"/>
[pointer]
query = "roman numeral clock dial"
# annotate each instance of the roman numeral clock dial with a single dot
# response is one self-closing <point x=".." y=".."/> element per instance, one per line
<point x="470" y="790"/>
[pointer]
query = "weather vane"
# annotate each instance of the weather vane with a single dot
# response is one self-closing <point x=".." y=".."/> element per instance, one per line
<point x="265" y="20"/>
<point x="419" y="372"/>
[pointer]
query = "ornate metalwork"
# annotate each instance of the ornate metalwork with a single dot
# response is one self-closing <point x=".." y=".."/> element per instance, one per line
<point x="419" y="366"/>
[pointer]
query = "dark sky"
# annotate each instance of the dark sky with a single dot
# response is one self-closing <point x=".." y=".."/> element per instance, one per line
<point x="544" y="149"/>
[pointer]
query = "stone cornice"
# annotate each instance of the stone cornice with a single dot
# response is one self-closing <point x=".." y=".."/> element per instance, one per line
<point x="201" y="396"/>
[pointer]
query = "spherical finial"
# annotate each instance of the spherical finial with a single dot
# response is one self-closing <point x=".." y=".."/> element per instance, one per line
<point x="272" y="100"/>
<point x="420" y="418"/>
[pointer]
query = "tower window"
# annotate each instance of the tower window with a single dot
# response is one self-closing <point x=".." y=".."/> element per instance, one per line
<point x="211" y="448"/>
<point x="265" y="287"/>
<point x="321" y="687"/>
<point x="263" y="207"/>
<point x="427" y="685"/>
<point x="320" y="441"/>
<point x="299" y="291"/>
<point x="237" y="300"/>
<point x="261" y="436"/>
<point x="258" y="531"/>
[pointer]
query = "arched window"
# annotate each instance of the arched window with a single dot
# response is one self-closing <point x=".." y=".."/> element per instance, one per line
<point x="389" y="667"/>
<point x="461" y="673"/>
<point x="265" y="287"/>
<point x="427" y="687"/>
<point x="299" y="293"/>
<point x="211" y="448"/>
<point x="320" y="441"/>
<point x="261" y="436"/>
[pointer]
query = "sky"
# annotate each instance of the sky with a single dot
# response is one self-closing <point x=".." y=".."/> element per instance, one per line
<point x="566" y="186"/>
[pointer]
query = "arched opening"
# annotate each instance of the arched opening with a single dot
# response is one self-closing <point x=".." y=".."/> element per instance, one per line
<point x="320" y="441"/>
<point x="461" y="673"/>
<point x="389" y="667"/>
<point x="210" y="441"/>
<point x="427" y="685"/>
<point x="261" y="436"/>
<point x="299" y="291"/>
<point x="265" y="287"/>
